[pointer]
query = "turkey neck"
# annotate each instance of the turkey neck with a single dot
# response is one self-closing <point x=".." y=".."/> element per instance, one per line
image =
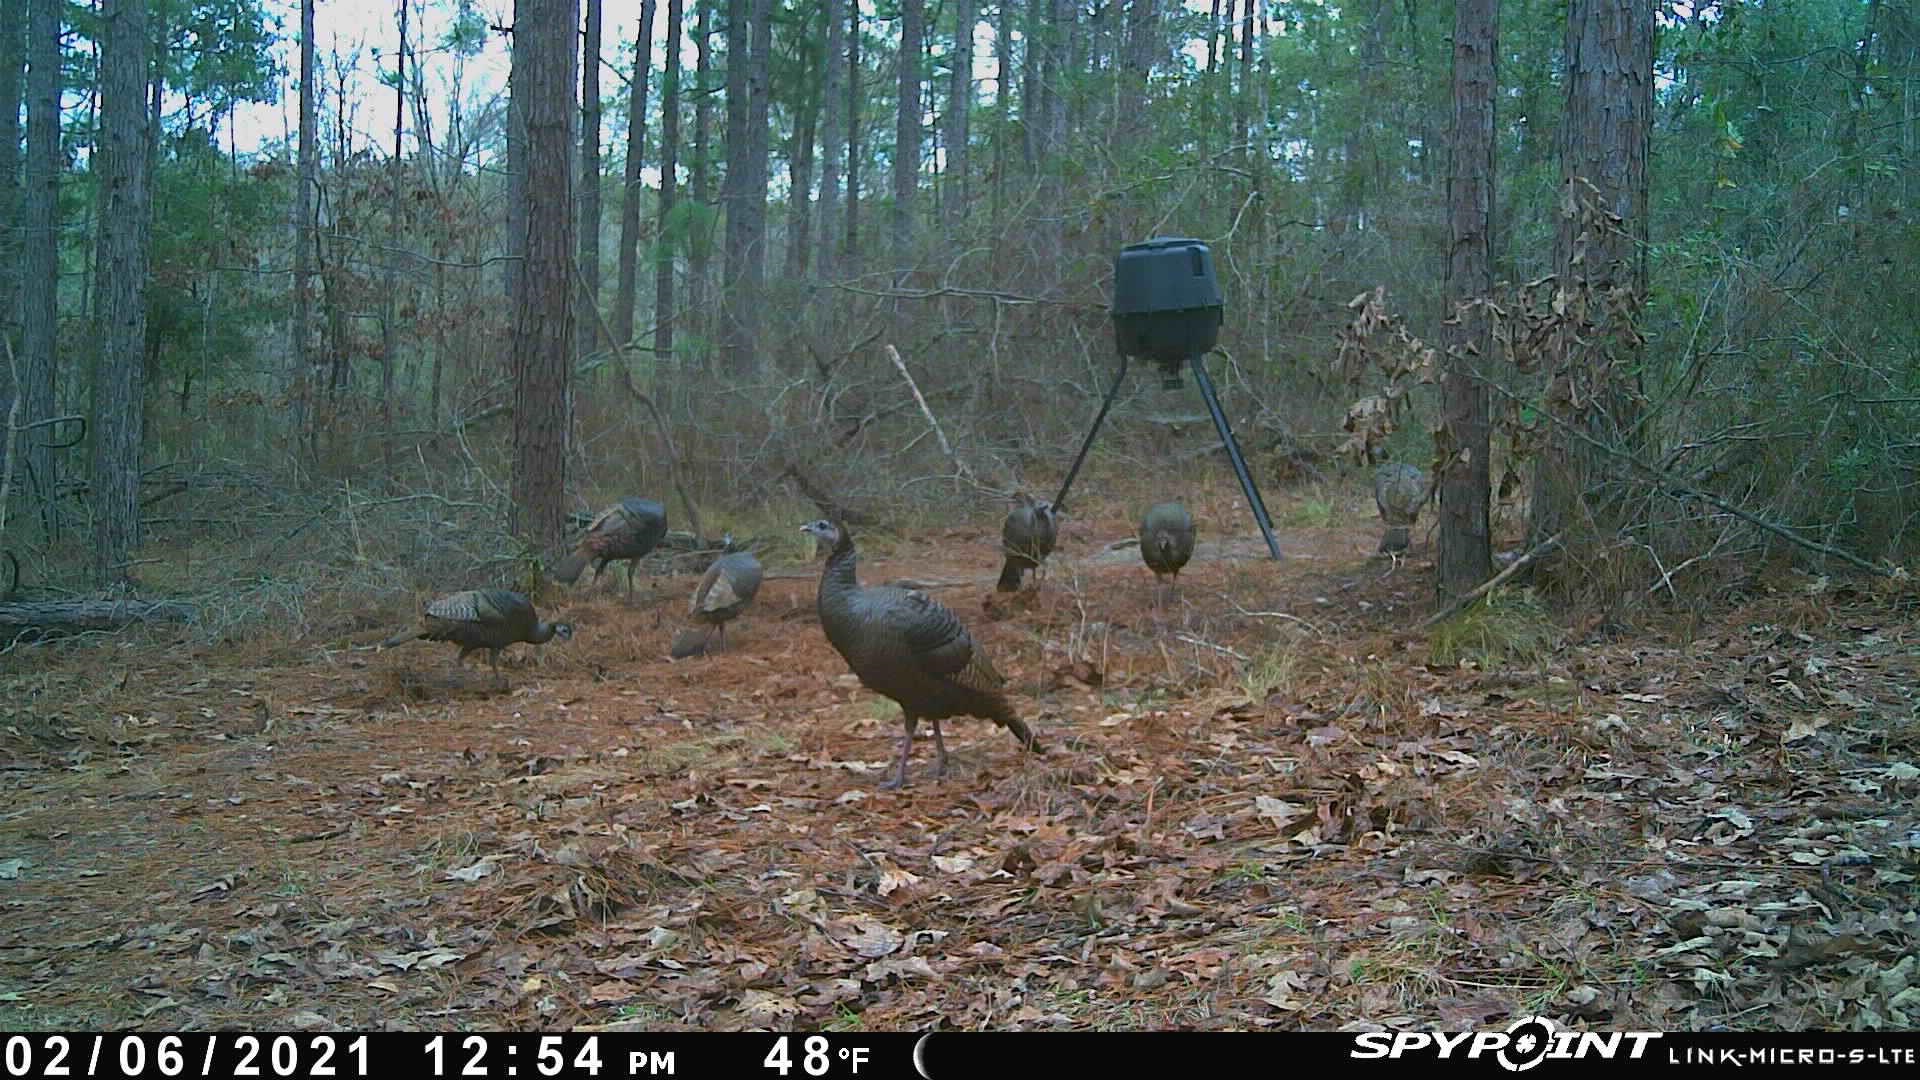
<point x="542" y="633"/>
<point x="837" y="580"/>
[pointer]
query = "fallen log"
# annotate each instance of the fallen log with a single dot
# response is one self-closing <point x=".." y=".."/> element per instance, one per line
<point x="89" y="614"/>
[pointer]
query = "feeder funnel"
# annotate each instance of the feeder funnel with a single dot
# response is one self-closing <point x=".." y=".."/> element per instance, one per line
<point x="1166" y="303"/>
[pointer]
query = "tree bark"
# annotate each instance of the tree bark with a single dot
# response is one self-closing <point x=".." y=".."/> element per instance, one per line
<point x="120" y="332"/>
<point x="1466" y="550"/>
<point x="663" y="313"/>
<point x="545" y="57"/>
<point x="40" y="253"/>
<point x="832" y="138"/>
<point x="587" y="318"/>
<point x="906" y="132"/>
<point x="632" y="187"/>
<point x="959" y="106"/>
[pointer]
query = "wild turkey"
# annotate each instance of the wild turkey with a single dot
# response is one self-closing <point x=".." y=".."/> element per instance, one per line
<point x="1399" y="490"/>
<point x="489" y="619"/>
<point x="908" y="647"/>
<point x="724" y="592"/>
<point x="1166" y="540"/>
<point x="629" y="530"/>
<point x="1027" y="537"/>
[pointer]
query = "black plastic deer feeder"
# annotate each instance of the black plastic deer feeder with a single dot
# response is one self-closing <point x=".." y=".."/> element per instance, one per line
<point x="1167" y="307"/>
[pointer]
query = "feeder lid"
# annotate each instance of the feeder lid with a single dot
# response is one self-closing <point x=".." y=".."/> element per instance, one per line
<point x="1164" y="274"/>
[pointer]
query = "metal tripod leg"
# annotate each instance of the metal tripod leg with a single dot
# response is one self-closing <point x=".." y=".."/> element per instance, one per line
<point x="1119" y="379"/>
<point x="1233" y="451"/>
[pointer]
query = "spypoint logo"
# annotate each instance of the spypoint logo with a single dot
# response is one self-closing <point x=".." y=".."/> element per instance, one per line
<point x="1525" y="1043"/>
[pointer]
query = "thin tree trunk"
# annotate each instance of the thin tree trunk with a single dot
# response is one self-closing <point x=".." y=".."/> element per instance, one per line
<point x="1141" y="47"/>
<point x="1466" y="552"/>
<point x="304" y="382"/>
<point x="736" y="347"/>
<point x="906" y="132"/>
<point x="120" y="334"/>
<point x="1243" y="100"/>
<point x="389" y="338"/>
<point x="700" y="231"/>
<point x="1003" y="110"/>
<point x="800" y="177"/>
<point x="832" y="139"/>
<point x="40" y="251"/>
<point x="514" y="265"/>
<point x="632" y="187"/>
<point x="1033" y="62"/>
<point x="545" y="58"/>
<point x="959" y="105"/>
<point x="13" y="59"/>
<point x="759" y="137"/>
<point x="588" y="316"/>
<point x="663" y="313"/>
<point x="853" y="139"/>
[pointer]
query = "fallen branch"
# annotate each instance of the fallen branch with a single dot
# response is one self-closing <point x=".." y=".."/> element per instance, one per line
<point x="90" y="614"/>
<point x="946" y="448"/>
<point x="1494" y="582"/>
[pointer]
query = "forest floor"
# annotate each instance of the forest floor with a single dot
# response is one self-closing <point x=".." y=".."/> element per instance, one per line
<point x="1265" y="805"/>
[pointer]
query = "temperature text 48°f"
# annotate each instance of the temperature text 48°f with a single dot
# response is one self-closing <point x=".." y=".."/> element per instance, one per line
<point x="817" y="1057"/>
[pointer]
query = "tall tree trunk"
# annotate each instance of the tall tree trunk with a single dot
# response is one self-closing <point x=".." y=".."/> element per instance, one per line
<point x="632" y="187"/>
<point x="663" y="313"/>
<point x="515" y="264"/>
<point x="959" y="106"/>
<point x="13" y="62"/>
<point x="120" y="333"/>
<point x="1466" y="552"/>
<point x="1243" y="99"/>
<point x="1002" y="108"/>
<point x="800" y="167"/>
<point x="545" y="55"/>
<point x="853" y="139"/>
<point x="40" y="251"/>
<point x="700" y="226"/>
<point x="1609" y="49"/>
<point x="1033" y="64"/>
<point x="305" y="380"/>
<point x="832" y="137"/>
<point x="13" y="59"/>
<point x="1142" y="45"/>
<point x="390" y="302"/>
<point x="735" y="344"/>
<point x="588" y="316"/>
<point x="906" y="132"/>
<point x="759" y="136"/>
